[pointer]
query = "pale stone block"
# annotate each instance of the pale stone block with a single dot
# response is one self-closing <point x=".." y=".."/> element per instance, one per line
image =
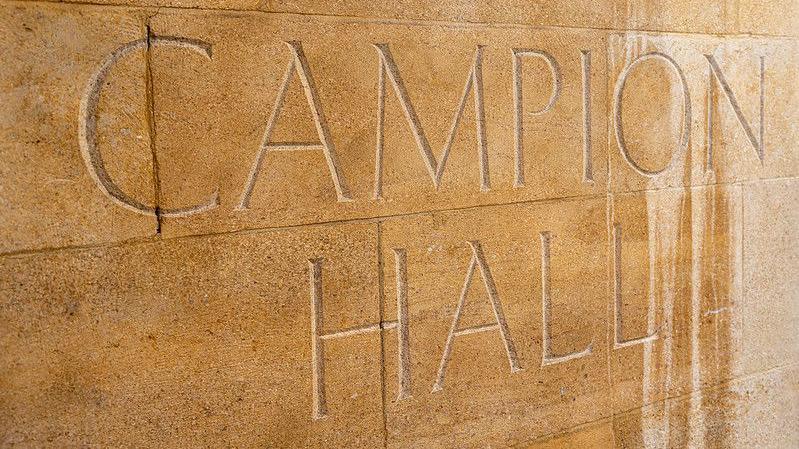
<point x="64" y="181"/>
<point x="693" y="16"/>
<point x="676" y="286"/>
<point x="758" y="411"/>
<point x="488" y="372"/>
<point x="771" y="286"/>
<point x="767" y="17"/>
<point x="688" y="110"/>
<point x="193" y="342"/>
<point x="493" y="224"/>
<point x="592" y="13"/>
<point x="321" y="160"/>
<point x="597" y="435"/>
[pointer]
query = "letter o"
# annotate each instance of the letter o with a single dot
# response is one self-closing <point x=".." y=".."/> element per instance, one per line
<point x="617" y="105"/>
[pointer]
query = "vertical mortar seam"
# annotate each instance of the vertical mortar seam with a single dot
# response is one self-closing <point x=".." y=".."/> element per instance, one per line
<point x="150" y="118"/>
<point x="381" y="317"/>
<point x="609" y="338"/>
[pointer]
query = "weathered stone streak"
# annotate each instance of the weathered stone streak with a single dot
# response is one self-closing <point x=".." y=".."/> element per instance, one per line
<point x="399" y="224"/>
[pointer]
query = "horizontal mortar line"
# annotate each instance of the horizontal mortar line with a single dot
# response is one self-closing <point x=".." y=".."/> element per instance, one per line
<point x="377" y="218"/>
<point x="403" y="21"/>
<point x="711" y="386"/>
<point x="258" y="230"/>
<point x="389" y="217"/>
<point x="744" y="182"/>
<point x="549" y="436"/>
<point x="88" y="246"/>
<point x="611" y="418"/>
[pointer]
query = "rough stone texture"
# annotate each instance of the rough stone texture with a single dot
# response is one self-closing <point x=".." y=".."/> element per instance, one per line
<point x="596" y="13"/>
<point x="481" y="399"/>
<point x="771" y="295"/>
<point x="150" y="298"/>
<point x="196" y="342"/>
<point x="705" y="142"/>
<point x="679" y="301"/>
<point x="592" y="435"/>
<point x="699" y="16"/>
<point x="47" y="196"/>
<point x="212" y="116"/>
<point x="756" y="411"/>
<point x="764" y="17"/>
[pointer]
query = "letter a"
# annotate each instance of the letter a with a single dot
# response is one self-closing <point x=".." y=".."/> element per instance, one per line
<point x="298" y="64"/>
<point x="478" y="259"/>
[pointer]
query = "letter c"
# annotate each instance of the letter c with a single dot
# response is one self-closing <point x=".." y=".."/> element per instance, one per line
<point x="87" y="128"/>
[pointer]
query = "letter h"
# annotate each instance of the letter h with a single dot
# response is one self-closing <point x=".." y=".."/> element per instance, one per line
<point x="318" y="336"/>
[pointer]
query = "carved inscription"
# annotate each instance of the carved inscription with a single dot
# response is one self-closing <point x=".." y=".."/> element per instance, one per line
<point x="758" y="143"/>
<point x="298" y="63"/>
<point x="617" y="112"/>
<point x="549" y="358"/>
<point x="518" y="101"/>
<point x="392" y="78"/>
<point x="403" y="349"/>
<point x="87" y="127"/>
<point x="500" y="324"/>
<point x="478" y="265"/>
<point x="318" y="336"/>
<point x="435" y="168"/>
<point x="619" y="340"/>
<point x="588" y="168"/>
<point x="553" y="121"/>
<point x="389" y="78"/>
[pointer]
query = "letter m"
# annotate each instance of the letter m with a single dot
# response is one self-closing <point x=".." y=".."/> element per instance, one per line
<point x="435" y="168"/>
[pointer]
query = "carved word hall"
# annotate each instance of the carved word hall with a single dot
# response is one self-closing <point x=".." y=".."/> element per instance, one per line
<point x="391" y="80"/>
<point x="478" y="266"/>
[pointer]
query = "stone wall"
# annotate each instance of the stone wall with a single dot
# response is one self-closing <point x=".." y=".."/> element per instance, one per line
<point x="410" y="223"/>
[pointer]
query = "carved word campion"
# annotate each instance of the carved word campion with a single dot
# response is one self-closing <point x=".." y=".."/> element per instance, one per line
<point x="391" y="81"/>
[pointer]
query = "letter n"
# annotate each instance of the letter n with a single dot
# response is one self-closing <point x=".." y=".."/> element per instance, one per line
<point x="715" y="72"/>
